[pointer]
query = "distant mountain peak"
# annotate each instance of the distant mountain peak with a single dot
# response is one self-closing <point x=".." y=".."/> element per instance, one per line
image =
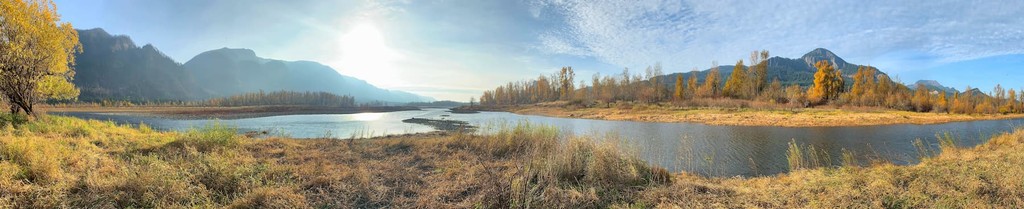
<point x="820" y="51"/>
<point x="237" y="54"/>
<point x="928" y="82"/>
<point x="114" y="42"/>
<point x="820" y="54"/>
<point x="933" y="85"/>
<point x="95" y="31"/>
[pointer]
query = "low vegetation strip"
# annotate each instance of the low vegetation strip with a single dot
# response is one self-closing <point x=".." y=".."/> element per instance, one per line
<point x="443" y="124"/>
<point x="185" y="112"/>
<point x="791" y="117"/>
<point x="62" y="162"/>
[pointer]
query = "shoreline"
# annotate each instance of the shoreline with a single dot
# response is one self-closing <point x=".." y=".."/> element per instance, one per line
<point x="794" y="118"/>
<point x="178" y="112"/>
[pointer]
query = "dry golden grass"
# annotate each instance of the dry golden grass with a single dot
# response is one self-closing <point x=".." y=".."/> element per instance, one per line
<point x="743" y="116"/>
<point x="60" y="162"/>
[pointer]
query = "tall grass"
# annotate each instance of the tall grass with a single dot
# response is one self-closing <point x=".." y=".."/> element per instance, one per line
<point x="946" y="144"/>
<point x="66" y="162"/>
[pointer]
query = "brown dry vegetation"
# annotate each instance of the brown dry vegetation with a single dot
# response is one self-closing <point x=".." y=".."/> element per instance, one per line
<point x="745" y="115"/>
<point x="56" y="162"/>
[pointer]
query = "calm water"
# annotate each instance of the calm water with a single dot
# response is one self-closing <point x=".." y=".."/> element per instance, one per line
<point x="696" y="148"/>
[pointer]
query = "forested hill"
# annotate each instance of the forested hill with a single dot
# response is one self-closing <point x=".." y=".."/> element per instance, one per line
<point x="225" y="72"/>
<point x="788" y="71"/>
<point x="113" y="68"/>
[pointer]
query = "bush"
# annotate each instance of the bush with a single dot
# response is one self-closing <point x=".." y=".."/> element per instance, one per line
<point x="13" y="119"/>
<point x="211" y="136"/>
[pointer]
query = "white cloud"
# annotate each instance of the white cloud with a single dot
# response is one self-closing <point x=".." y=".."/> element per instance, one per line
<point x="683" y="34"/>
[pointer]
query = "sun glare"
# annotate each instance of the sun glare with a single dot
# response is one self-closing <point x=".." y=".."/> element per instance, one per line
<point x="367" y="116"/>
<point x="366" y="55"/>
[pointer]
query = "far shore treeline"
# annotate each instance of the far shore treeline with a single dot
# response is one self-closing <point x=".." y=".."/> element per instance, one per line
<point x="750" y="87"/>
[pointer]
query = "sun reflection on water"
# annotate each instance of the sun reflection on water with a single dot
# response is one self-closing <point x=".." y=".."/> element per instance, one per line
<point x="367" y="116"/>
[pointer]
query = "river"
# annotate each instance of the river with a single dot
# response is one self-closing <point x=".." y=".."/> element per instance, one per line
<point x="708" y="150"/>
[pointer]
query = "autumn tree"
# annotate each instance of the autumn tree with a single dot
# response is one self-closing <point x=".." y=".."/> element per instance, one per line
<point x="796" y="95"/>
<point x="691" y="85"/>
<point x="828" y="83"/>
<point x="774" y="93"/>
<point x="36" y="54"/>
<point x="758" y="73"/>
<point x="712" y="83"/>
<point x="565" y="78"/>
<point x="963" y="103"/>
<point x="1010" y="105"/>
<point x="863" y="90"/>
<point x="922" y="99"/>
<point x="941" y="103"/>
<point x="678" y="94"/>
<point x="734" y="87"/>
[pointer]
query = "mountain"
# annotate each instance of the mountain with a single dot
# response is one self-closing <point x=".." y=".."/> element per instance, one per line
<point x="115" y="68"/>
<point x="933" y="85"/>
<point x="225" y="72"/>
<point x="788" y="71"/>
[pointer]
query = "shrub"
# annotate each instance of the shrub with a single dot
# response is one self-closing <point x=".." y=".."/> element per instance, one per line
<point x="13" y="119"/>
<point x="210" y="137"/>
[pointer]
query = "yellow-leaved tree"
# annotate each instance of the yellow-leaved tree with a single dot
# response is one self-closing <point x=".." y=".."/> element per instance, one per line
<point x="36" y="54"/>
<point x="734" y="87"/>
<point x="679" y="87"/>
<point x="825" y="85"/>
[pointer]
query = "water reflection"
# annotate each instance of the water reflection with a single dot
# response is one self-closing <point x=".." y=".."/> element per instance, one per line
<point x="367" y="116"/>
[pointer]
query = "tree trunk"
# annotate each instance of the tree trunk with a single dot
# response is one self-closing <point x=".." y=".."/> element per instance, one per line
<point x="28" y="109"/>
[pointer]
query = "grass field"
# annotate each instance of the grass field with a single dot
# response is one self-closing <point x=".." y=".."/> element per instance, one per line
<point x="58" y="162"/>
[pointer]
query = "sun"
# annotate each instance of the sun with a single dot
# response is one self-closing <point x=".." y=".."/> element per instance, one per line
<point x="366" y="55"/>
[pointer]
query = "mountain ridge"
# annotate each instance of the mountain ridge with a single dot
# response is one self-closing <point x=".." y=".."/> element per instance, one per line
<point x="789" y="71"/>
<point x="113" y="67"/>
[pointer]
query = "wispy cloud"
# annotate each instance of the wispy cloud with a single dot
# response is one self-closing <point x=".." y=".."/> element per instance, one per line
<point x="689" y="33"/>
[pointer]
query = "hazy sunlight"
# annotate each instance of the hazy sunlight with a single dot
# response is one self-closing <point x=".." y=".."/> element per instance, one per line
<point x="366" y="55"/>
<point x="367" y="116"/>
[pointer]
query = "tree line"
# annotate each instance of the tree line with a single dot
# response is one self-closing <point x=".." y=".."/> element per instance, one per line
<point x="284" y="98"/>
<point x="865" y="88"/>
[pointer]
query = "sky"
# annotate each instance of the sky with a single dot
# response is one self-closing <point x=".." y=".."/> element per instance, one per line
<point x="455" y="49"/>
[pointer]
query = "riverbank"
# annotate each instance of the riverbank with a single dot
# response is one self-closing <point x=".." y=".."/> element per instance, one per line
<point x="183" y="112"/>
<point x="795" y="117"/>
<point x="68" y="162"/>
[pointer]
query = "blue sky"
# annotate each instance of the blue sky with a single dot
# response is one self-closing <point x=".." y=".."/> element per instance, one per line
<point x="455" y="49"/>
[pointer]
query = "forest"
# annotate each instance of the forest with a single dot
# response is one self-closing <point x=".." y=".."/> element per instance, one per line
<point x="750" y="86"/>
<point x="284" y="98"/>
